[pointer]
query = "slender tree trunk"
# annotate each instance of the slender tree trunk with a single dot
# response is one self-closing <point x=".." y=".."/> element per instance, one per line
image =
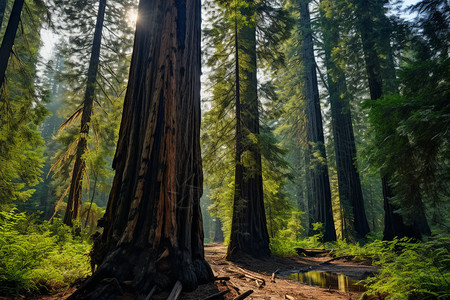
<point x="393" y="223"/>
<point x="320" y="200"/>
<point x="79" y="168"/>
<point x="2" y="11"/>
<point x="218" y="233"/>
<point x="153" y="232"/>
<point x="350" y="191"/>
<point x="8" y="38"/>
<point x="249" y="227"/>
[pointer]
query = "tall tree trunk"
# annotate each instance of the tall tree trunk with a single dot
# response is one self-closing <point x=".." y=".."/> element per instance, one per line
<point x="2" y="11"/>
<point x="320" y="206"/>
<point x="248" y="228"/>
<point x="218" y="233"/>
<point x="350" y="191"/>
<point x="153" y="233"/>
<point x="8" y="38"/>
<point x="393" y="223"/>
<point x="79" y="167"/>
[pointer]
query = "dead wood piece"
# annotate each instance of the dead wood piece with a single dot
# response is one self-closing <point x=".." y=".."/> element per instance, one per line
<point x="312" y="252"/>
<point x="221" y="278"/>
<point x="259" y="284"/>
<point x="251" y="276"/>
<point x="176" y="291"/>
<point x="214" y="296"/>
<point x="289" y="297"/>
<point x="263" y="282"/>
<point x="274" y="275"/>
<point x="149" y="296"/>
<point x="244" y="295"/>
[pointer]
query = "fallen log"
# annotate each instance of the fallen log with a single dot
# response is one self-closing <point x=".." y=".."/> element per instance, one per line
<point x="312" y="252"/>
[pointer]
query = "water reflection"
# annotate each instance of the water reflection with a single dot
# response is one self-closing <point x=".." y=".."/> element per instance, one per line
<point x="328" y="280"/>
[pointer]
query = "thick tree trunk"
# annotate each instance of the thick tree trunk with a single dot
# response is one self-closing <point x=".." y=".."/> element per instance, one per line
<point x="394" y="223"/>
<point x="320" y="207"/>
<point x="153" y="234"/>
<point x="248" y="228"/>
<point x="350" y="191"/>
<point x="79" y="167"/>
<point x="8" y="38"/>
<point x="2" y="11"/>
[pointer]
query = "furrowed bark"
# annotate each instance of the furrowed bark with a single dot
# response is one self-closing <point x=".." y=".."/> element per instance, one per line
<point x="153" y="234"/>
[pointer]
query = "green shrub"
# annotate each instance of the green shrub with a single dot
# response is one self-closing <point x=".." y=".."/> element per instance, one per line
<point x="37" y="256"/>
<point x="409" y="270"/>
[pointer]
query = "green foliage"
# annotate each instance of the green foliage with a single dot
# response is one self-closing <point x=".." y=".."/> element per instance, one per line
<point x="412" y="145"/>
<point x="409" y="270"/>
<point x="37" y="256"/>
<point x="219" y="121"/>
<point x="22" y="110"/>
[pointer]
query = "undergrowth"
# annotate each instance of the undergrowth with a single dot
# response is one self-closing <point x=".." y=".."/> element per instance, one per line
<point x="409" y="270"/>
<point x="39" y="256"/>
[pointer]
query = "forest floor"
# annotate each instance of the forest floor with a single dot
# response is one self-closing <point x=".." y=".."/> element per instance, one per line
<point x="256" y="275"/>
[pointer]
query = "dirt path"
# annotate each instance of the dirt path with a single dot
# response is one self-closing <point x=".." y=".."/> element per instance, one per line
<point x="262" y="270"/>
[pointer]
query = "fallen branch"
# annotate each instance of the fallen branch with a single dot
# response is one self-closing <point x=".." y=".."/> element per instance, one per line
<point x="216" y="295"/>
<point x="176" y="291"/>
<point x="274" y="275"/>
<point x="251" y="276"/>
<point x="244" y="295"/>
<point x="263" y="282"/>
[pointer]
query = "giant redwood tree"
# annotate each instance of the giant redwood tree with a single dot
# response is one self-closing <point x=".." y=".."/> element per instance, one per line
<point x="319" y="196"/>
<point x="153" y="232"/>
<point x="248" y="227"/>
<point x="350" y="191"/>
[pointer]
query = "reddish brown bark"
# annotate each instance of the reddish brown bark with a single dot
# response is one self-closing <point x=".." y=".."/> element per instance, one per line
<point x="153" y="231"/>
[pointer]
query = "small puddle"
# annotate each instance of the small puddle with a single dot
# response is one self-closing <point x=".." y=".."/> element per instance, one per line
<point x="328" y="280"/>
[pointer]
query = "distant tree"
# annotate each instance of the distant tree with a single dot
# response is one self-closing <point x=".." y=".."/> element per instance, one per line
<point x="234" y="141"/>
<point x="102" y="111"/>
<point x="22" y="109"/>
<point x="369" y="18"/>
<point x="409" y="125"/>
<point x="8" y="38"/>
<point x="350" y="191"/>
<point x="2" y="11"/>
<point x="319" y="200"/>
<point x="153" y="217"/>
<point x="74" y="199"/>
